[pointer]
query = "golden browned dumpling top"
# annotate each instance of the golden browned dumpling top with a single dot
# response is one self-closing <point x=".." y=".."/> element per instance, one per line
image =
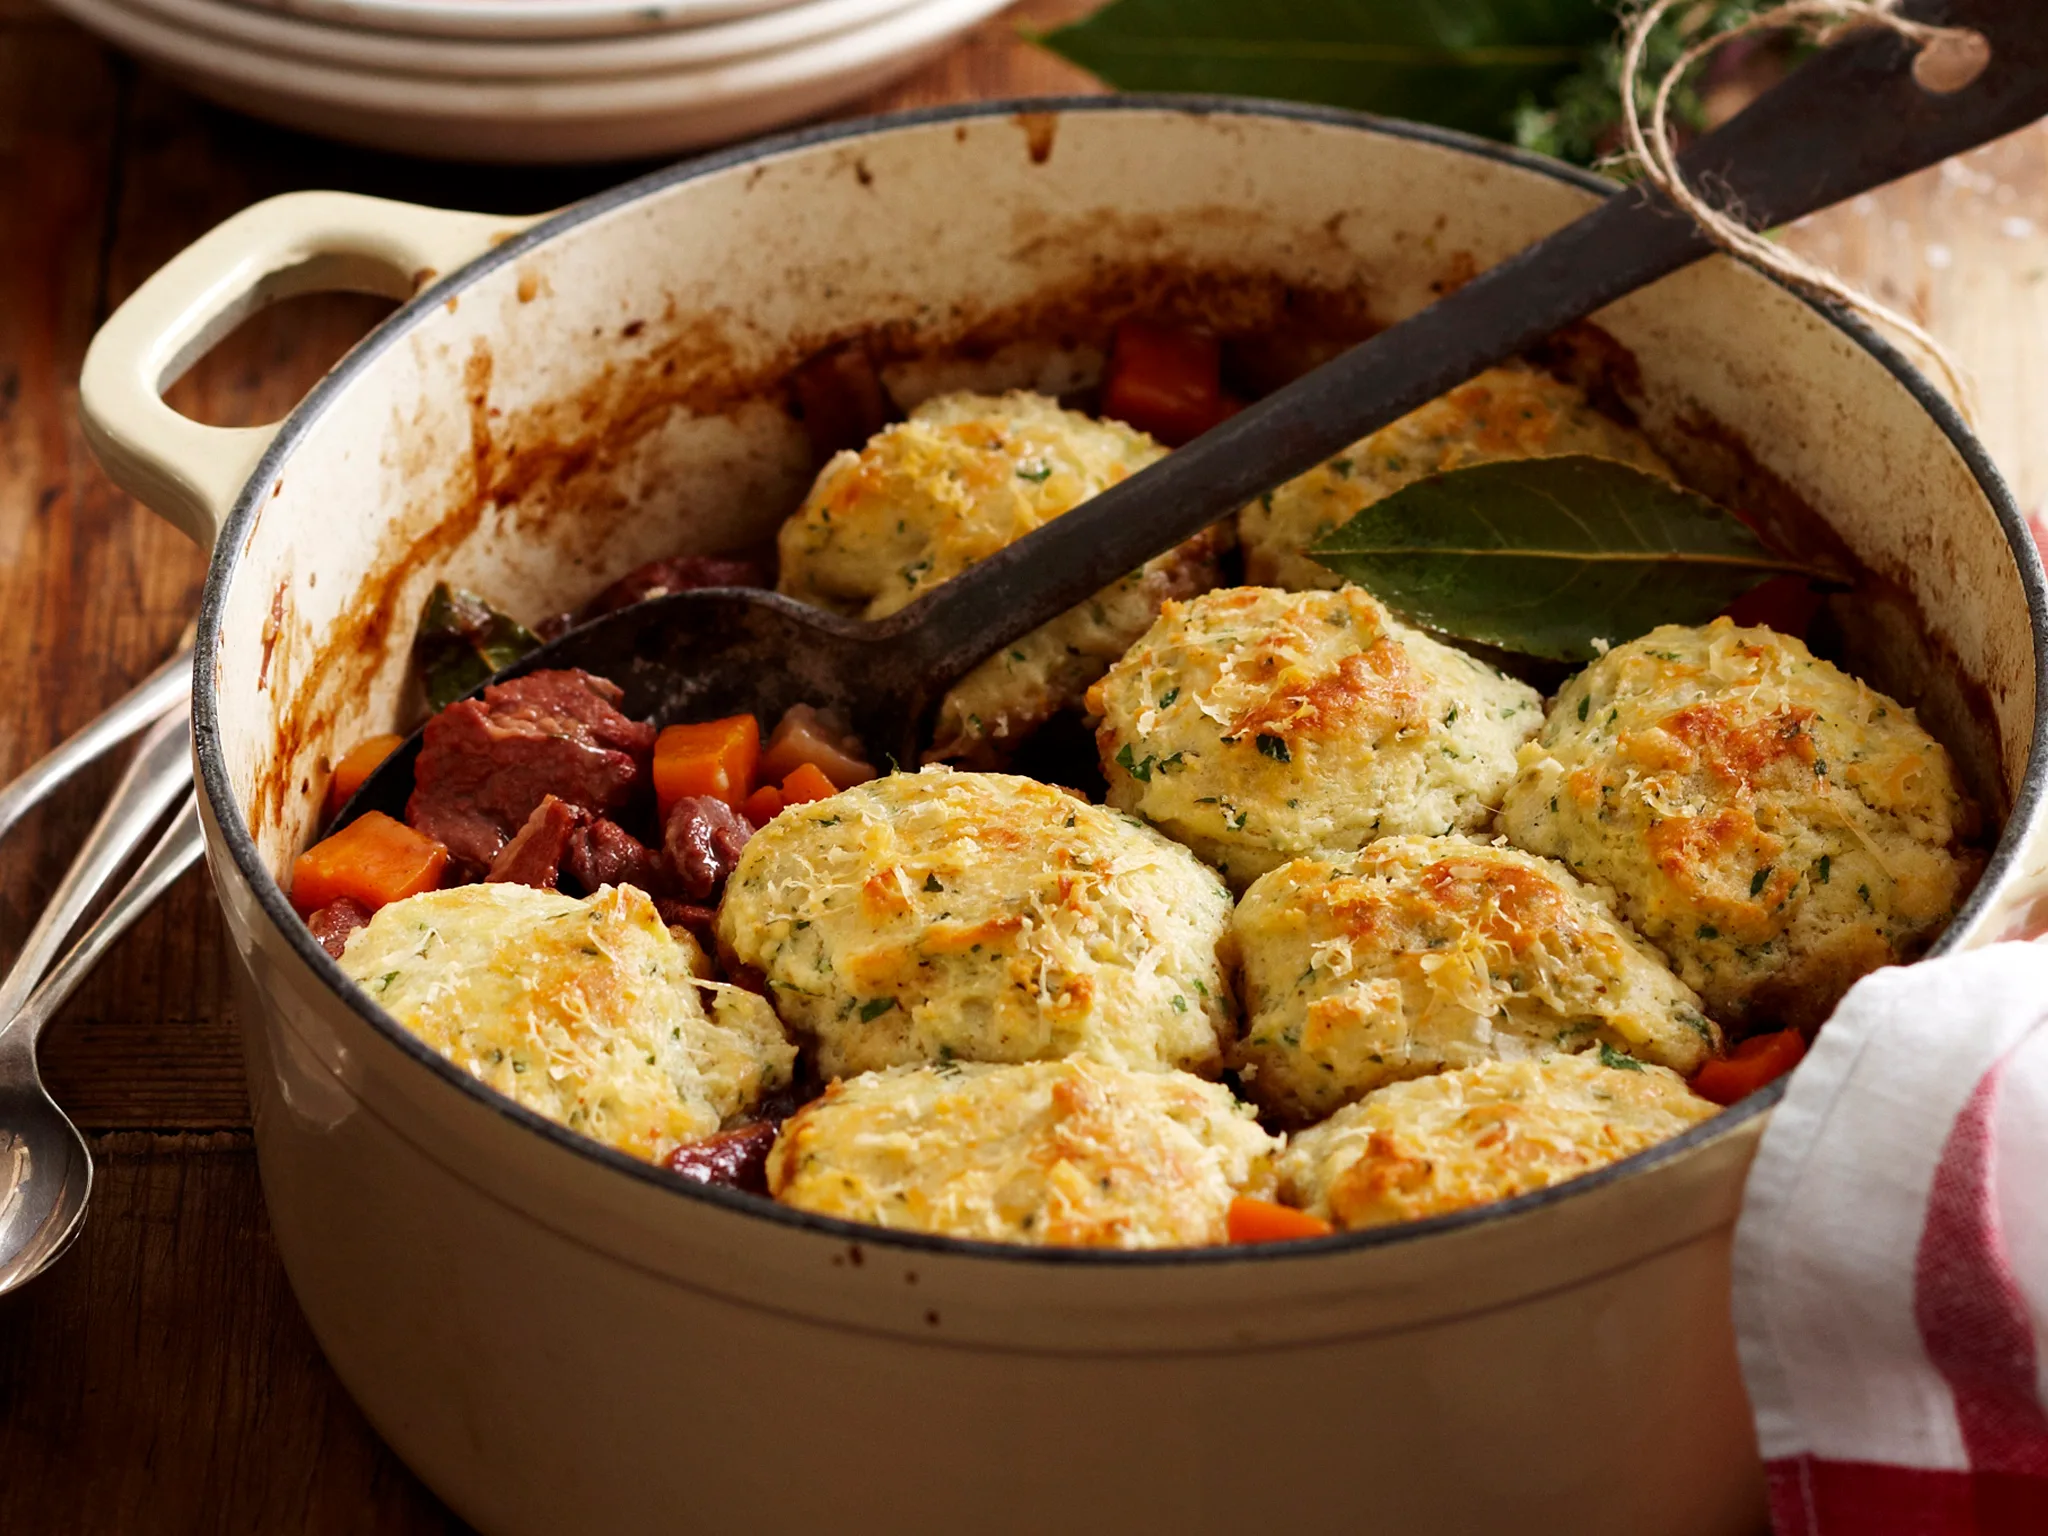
<point x="1060" y="1153"/>
<point x="1513" y="412"/>
<point x="1257" y="726"/>
<point x="585" y="1011"/>
<point x="1422" y="953"/>
<point x="965" y="476"/>
<point x="1488" y="1132"/>
<point x="946" y="916"/>
<point x="1775" y="826"/>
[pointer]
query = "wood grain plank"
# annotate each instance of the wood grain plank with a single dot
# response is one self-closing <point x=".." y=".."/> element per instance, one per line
<point x="162" y="1379"/>
<point x="23" y="15"/>
<point x="59" y="105"/>
<point x="95" y="589"/>
<point x="113" y="1071"/>
<point x="1963" y="250"/>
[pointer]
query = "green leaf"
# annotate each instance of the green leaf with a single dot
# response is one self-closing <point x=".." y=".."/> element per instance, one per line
<point x="461" y="641"/>
<point x="1463" y="63"/>
<point x="1546" y="556"/>
<point x="1578" y="118"/>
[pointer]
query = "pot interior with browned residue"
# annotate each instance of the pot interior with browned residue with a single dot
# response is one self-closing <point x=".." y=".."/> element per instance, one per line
<point x="662" y="374"/>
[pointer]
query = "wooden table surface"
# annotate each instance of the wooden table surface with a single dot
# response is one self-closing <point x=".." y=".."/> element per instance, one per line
<point x="161" y="1379"/>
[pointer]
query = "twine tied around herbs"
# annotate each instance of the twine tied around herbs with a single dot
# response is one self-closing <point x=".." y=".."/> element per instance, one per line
<point x="1948" y="60"/>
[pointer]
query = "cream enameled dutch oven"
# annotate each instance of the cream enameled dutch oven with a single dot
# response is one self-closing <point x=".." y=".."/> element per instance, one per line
<point x="562" y="1340"/>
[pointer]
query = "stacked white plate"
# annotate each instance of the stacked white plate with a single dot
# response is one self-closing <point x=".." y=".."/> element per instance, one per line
<point x="532" y="80"/>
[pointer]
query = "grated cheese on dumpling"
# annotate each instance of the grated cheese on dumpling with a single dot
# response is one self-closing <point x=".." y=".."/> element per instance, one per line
<point x="585" y="1011"/>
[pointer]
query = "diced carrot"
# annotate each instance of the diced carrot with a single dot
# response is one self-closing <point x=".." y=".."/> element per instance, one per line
<point x="373" y="859"/>
<point x="763" y="805"/>
<point x="808" y="783"/>
<point x="805" y="735"/>
<point x="1166" y="382"/>
<point x="713" y="757"/>
<point x="1756" y="1061"/>
<point x="356" y="765"/>
<point x="1251" y="1220"/>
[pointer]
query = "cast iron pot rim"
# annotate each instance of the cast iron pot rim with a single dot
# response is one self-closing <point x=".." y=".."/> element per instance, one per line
<point x="234" y="536"/>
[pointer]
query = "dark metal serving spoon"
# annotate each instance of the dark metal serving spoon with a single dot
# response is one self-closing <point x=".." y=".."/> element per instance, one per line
<point x="1849" y="119"/>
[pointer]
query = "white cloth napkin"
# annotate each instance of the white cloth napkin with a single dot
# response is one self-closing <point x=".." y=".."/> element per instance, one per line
<point x="1891" y="1261"/>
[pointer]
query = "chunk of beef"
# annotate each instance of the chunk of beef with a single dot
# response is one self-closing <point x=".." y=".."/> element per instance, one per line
<point x="700" y="921"/>
<point x="703" y="840"/>
<point x="605" y="853"/>
<point x="737" y="1158"/>
<point x="485" y="764"/>
<point x="685" y="574"/>
<point x="333" y="923"/>
<point x="534" y="856"/>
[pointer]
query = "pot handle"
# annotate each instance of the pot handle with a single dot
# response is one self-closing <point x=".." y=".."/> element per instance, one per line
<point x="303" y="242"/>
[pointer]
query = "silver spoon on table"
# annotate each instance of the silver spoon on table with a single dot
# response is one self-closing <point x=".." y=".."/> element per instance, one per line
<point x="1849" y="119"/>
<point x="45" y="1167"/>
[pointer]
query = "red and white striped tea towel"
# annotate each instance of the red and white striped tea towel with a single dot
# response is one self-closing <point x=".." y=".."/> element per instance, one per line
<point x="1891" y="1261"/>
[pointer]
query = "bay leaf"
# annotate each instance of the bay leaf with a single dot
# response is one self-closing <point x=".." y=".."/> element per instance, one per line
<point x="1462" y="63"/>
<point x="1545" y="556"/>
<point x="461" y="641"/>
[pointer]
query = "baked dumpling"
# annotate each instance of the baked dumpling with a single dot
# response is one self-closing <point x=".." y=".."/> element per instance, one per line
<point x="963" y="477"/>
<point x="1775" y="826"/>
<point x="1483" y="1133"/>
<point x="1257" y="726"/>
<point x="584" y="1010"/>
<point x="1424" y="953"/>
<point x="1059" y="1153"/>
<point x="944" y="916"/>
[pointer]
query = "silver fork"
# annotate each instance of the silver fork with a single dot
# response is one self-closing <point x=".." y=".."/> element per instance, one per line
<point x="148" y="700"/>
<point x="160" y="770"/>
